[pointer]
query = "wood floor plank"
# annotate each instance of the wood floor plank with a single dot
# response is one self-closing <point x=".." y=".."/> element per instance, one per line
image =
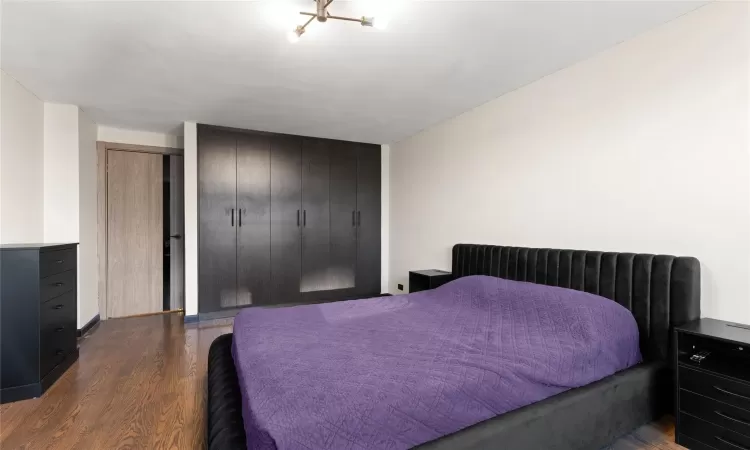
<point x="140" y="383"/>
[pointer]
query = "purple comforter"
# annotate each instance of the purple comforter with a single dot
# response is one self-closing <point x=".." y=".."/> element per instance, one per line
<point x="394" y="372"/>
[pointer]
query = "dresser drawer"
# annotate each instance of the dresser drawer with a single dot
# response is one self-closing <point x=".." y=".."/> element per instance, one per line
<point x="691" y="443"/>
<point x="58" y="333"/>
<point x="718" y="413"/>
<point x="54" y="285"/>
<point x="57" y="261"/>
<point x="58" y="312"/>
<point x="713" y="435"/>
<point x="55" y="347"/>
<point x="728" y="391"/>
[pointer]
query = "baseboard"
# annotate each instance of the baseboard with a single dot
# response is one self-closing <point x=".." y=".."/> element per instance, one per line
<point x="191" y="319"/>
<point x="89" y="325"/>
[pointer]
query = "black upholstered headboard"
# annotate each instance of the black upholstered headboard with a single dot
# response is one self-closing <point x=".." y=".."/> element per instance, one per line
<point x="661" y="291"/>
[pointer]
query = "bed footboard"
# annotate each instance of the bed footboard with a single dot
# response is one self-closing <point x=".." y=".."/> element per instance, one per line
<point x="225" y="429"/>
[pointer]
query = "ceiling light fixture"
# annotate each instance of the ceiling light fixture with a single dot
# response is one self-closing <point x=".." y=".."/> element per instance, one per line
<point x="323" y="15"/>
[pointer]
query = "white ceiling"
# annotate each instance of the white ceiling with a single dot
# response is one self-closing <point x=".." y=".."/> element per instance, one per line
<point x="150" y="65"/>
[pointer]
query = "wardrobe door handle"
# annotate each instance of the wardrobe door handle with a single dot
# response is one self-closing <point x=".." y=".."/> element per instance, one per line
<point x="59" y="352"/>
<point x="239" y="217"/>
<point x="59" y="329"/>
<point x="60" y="261"/>
<point x="59" y="307"/>
<point x="359" y="218"/>
<point x="298" y="217"/>
<point x="59" y="284"/>
<point x="232" y="219"/>
<point x="354" y="221"/>
<point x="304" y="217"/>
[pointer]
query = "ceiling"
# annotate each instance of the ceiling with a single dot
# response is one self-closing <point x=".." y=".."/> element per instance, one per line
<point x="150" y="65"/>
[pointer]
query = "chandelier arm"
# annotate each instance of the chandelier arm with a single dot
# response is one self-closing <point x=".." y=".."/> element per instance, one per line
<point x="308" y="21"/>
<point x="350" y="19"/>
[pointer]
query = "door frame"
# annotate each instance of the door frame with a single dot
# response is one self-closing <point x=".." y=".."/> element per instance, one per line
<point x="102" y="149"/>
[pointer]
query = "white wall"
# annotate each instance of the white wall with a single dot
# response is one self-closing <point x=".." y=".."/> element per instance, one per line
<point x="21" y="163"/>
<point x="135" y="137"/>
<point x="70" y="195"/>
<point x="60" y="173"/>
<point x="642" y="148"/>
<point x="190" y="159"/>
<point x="88" y="271"/>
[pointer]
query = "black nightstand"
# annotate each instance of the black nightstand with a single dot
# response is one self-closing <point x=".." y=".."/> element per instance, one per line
<point x="421" y="280"/>
<point x="713" y="393"/>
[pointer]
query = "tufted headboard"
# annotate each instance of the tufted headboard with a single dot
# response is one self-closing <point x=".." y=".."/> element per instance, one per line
<point x="661" y="291"/>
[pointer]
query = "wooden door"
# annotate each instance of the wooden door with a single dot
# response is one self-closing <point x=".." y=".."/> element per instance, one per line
<point x="286" y="218"/>
<point x="253" y="219"/>
<point x="217" y="212"/>
<point x="176" y="233"/>
<point x="368" y="219"/>
<point x="316" y="228"/>
<point x="134" y="233"/>
<point x="342" y="263"/>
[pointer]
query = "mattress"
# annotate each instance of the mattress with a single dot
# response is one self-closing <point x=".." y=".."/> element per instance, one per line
<point x="395" y="372"/>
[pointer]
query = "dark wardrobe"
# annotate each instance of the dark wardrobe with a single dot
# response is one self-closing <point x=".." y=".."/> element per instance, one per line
<point x="285" y="219"/>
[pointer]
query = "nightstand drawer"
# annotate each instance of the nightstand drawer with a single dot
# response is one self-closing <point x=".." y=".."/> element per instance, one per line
<point x="713" y="435"/>
<point x="57" y="261"/>
<point x="718" y="413"/>
<point x="728" y="391"/>
<point x="57" y="284"/>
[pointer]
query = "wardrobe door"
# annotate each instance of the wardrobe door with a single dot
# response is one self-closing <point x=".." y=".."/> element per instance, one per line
<point x="286" y="218"/>
<point x="253" y="219"/>
<point x="342" y="264"/>
<point x="315" y="215"/>
<point x="217" y="197"/>
<point x="368" y="219"/>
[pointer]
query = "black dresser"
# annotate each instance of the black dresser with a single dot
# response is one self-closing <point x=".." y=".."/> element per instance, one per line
<point x="713" y="385"/>
<point x="38" y="340"/>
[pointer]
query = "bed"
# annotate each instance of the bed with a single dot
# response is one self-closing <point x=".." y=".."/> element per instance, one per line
<point x="660" y="291"/>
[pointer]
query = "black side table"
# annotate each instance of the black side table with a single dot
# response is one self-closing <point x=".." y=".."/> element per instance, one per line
<point x="713" y="385"/>
<point x="421" y="280"/>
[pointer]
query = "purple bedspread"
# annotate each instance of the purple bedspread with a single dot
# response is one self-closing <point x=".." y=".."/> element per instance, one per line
<point x="394" y="372"/>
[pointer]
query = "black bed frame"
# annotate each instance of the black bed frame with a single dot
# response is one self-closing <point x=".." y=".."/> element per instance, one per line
<point x="661" y="291"/>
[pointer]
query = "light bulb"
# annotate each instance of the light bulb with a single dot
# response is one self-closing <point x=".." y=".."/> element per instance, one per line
<point x="292" y="37"/>
<point x="381" y="23"/>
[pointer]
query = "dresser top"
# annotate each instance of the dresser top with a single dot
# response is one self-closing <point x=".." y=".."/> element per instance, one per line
<point x="726" y="331"/>
<point x="37" y="246"/>
<point x="431" y="272"/>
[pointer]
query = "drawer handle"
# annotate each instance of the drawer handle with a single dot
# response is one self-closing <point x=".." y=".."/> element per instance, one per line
<point x="733" y="444"/>
<point x="59" y="284"/>
<point x="731" y="393"/>
<point x="731" y="418"/>
<point x="59" y="352"/>
<point x="59" y="307"/>
<point x="60" y="261"/>
<point x="59" y="329"/>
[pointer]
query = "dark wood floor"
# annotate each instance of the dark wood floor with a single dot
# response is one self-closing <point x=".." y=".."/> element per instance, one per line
<point x="140" y="384"/>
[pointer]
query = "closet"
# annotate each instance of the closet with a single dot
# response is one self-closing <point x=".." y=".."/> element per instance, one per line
<point x="285" y="219"/>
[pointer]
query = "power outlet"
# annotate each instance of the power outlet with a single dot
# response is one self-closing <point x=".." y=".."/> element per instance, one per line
<point x="400" y="287"/>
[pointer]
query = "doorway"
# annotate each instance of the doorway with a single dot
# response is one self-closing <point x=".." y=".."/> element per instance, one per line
<point x="141" y="223"/>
